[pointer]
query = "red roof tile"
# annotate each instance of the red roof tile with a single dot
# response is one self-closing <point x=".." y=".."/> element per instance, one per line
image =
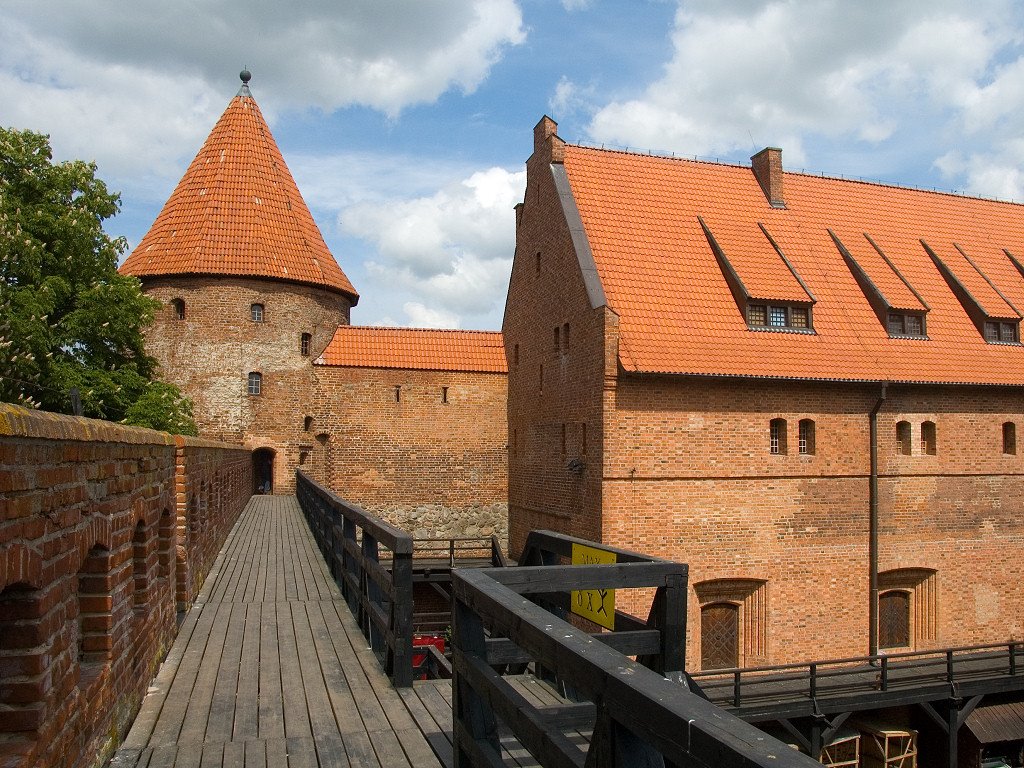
<point x="677" y="314"/>
<point x="424" y="349"/>
<point x="237" y="211"/>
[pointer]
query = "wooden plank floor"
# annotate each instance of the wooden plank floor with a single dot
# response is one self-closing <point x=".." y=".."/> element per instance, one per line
<point x="270" y="669"/>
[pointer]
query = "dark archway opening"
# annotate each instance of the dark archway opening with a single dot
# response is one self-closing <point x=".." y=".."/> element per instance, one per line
<point x="263" y="470"/>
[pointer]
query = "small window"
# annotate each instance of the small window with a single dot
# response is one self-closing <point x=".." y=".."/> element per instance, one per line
<point x="928" y="438"/>
<point x="307" y="423"/>
<point x="991" y="331"/>
<point x="798" y="317"/>
<point x="558" y="344"/>
<point x="255" y="383"/>
<point x="398" y="393"/>
<point x="902" y="324"/>
<point x="565" y="337"/>
<point x="777" y="317"/>
<point x="806" y="437"/>
<point x="178" y="307"/>
<point x="757" y="314"/>
<point x="541" y="378"/>
<point x="444" y="394"/>
<point x="914" y="325"/>
<point x="256" y="313"/>
<point x="538" y="262"/>
<point x="303" y="456"/>
<point x="903" y="438"/>
<point x="894" y="619"/>
<point x="304" y="341"/>
<point x="1009" y="438"/>
<point x="895" y="324"/>
<point x="777" y="436"/>
<point x="1008" y="333"/>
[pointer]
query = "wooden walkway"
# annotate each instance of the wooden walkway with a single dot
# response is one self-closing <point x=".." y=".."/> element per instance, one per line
<point x="270" y="669"/>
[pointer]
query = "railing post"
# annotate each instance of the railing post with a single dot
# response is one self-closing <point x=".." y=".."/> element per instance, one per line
<point x="949" y="666"/>
<point x="736" y="688"/>
<point x="473" y="718"/>
<point x="369" y="592"/>
<point x="885" y="674"/>
<point x="814" y="681"/>
<point x="401" y="620"/>
<point x="672" y="624"/>
<point x="1013" y="658"/>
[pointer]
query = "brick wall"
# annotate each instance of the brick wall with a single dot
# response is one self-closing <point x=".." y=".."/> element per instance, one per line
<point x="429" y="457"/>
<point x="88" y="547"/>
<point x="211" y="352"/>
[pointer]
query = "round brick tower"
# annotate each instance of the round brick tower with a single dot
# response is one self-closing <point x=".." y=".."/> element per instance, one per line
<point x="250" y="294"/>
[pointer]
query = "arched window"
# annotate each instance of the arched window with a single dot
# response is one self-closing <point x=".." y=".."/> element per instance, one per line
<point x="1009" y="438"/>
<point x="807" y="436"/>
<point x="719" y="636"/>
<point x="894" y="619"/>
<point x="307" y="423"/>
<point x="903" y="438"/>
<point x="256" y="313"/>
<point x="178" y="307"/>
<point x="255" y="383"/>
<point x="777" y="436"/>
<point x="304" y="341"/>
<point x="928" y="437"/>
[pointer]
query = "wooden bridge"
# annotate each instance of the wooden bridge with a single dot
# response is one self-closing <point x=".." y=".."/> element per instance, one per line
<point x="298" y="652"/>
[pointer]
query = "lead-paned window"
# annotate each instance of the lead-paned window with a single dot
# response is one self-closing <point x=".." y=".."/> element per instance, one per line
<point x="757" y="314"/>
<point x="777" y="317"/>
<point x="798" y="317"/>
<point x="777" y="436"/>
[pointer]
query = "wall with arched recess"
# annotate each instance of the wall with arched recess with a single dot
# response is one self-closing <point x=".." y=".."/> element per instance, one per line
<point x="94" y="516"/>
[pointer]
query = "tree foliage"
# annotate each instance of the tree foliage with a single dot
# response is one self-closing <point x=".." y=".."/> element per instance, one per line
<point x="68" y="320"/>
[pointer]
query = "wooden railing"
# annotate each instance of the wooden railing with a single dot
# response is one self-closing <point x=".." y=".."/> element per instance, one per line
<point x="874" y="679"/>
<point x="636" y="713"/>
<point x="379" y="594"/>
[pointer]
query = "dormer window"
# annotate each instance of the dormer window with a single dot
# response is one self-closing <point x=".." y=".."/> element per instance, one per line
<point x="1001" y="332"/>
<point x="778" y="316"/>
<point x="905" y="324"/>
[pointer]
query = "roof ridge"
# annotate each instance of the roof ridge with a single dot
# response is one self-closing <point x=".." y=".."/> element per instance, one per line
<point x="418" y="329"/>
<point x="667" y="155"/>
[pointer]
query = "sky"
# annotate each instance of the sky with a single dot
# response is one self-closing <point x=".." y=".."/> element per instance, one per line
<point x="406" y="124"/>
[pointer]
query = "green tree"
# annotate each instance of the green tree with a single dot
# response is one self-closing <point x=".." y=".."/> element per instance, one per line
<point x="68" y="320"/>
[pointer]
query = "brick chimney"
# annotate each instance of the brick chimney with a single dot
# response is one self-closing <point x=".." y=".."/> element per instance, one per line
<point x="767" y="168"/>
<point x="546" y="140"/>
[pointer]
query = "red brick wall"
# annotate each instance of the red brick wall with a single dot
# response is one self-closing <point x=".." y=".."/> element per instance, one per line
<point x="431" y="467"/>
<point x="87" y="580"/>
<point x="546" y="291"/>
<point x="210" y="353"/>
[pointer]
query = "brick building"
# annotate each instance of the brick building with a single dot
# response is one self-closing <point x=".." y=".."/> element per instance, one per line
<point x="806" y="388"/>
<point x="254" y="327"/>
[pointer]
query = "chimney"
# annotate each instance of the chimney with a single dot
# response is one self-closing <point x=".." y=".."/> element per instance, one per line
<point x="546" y="141"/>
<point x="767" y="168"/>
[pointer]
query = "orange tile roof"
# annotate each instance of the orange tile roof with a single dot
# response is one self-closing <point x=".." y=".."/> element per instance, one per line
<point x="677" y="314"/>
<point x="237" y="211"/>
<point x="425" y="349"/>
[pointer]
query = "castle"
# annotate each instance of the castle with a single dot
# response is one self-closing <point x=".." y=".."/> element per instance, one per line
<point x="806" y="388"/>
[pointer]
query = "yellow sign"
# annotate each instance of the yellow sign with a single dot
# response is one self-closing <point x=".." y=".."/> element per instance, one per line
<point x="598" y="605"/>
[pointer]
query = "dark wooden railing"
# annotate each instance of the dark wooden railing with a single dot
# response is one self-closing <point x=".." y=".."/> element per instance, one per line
<point x="875" y="680"/>
<point x="638" y="714"/>
<point x="372" y="563"/>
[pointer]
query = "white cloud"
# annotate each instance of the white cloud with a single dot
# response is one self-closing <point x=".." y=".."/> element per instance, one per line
<point x="576" y="5"/>
<point x="138" y="85"/>
<point x="797" y="74"/>
<point x="449" y="251"/>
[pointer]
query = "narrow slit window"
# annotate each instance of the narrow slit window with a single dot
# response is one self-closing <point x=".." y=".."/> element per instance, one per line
<point x="542" y="378"/>
<point x="1009" y="438"/>
<point x="806" y="436"/>
<point x="444" y="394"/>
<point x="777" y="436"/>
<point x="903" y="444"/>
<point x="557" y="345"/>
<point x="178" y="307"/>
<point x="307" y="423"/>
<point x="928" y="438"/>
<point x="398" y="393"/>
<point x="304" y="342"/>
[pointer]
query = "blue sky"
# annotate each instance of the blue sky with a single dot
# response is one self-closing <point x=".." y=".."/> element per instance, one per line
<point x="406" y="124"/>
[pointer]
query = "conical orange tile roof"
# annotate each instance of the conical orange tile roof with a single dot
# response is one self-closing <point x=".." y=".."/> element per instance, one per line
<point x="237" y="211"/>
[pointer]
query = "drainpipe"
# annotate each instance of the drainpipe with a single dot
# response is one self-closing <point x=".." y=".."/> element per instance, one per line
<point x="873" y="528"/>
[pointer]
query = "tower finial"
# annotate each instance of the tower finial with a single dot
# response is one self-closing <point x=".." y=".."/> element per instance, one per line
<point x="246" y="76"/>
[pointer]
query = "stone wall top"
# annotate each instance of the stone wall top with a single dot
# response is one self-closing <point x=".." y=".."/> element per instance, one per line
<point x="16" y="421"/>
